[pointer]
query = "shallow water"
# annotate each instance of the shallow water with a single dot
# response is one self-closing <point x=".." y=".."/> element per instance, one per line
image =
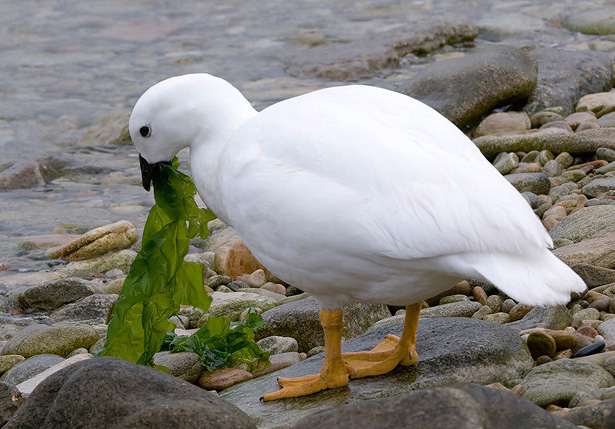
<point x="65" y="64"/>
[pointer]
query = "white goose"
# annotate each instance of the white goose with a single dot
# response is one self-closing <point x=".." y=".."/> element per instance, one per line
<point x="353" y="194"/>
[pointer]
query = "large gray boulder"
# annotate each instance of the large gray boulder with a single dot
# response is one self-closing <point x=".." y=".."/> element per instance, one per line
<point x="462" y="406"/>
<point x="450" y="350"/>
<point x="467" y="88"/>
<point x="114" y="393"/>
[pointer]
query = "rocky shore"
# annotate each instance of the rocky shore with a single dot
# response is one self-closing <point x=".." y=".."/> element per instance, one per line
<point x="544" y="117"/>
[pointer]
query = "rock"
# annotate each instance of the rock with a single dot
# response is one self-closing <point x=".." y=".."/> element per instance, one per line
<point x="43" y="339"/>
<point x="599" y="186"/>
<point x="503" y="122"/>
<point x="557" y="382"/>
<point x="85" y="395"/>
<point x="121" y="260"/>
<point x="26" y="387"/>
<point x="453" y="309"/>
<point x="540" y="343"/>
<point x="607" y="120"/>
<point x="491" y="353"/>
<point x="596" y="347"/>
<point x="592" y="21"/>
<point x="537" y="183"/>
<point x="553" y="168"/>
<point x="235" y="259"/>
<point x="493" y="76"/>
<point x="498" y="317"/>
<point x="30" y="367"/>
<point x="439" y="408"/>
<point x="555" y="140"/>
<point x="9" y="361"/>
<point x="10" y="401"/>
<point x="506" y="163"/>
<point x="587" y="314"/>
<point x="53" y="294"/>
<point x="363" y="58"/>
<point x="607" y="330"/>
<point x="97" y="242"/>
<point x="552" y="317"/>
<point x="300" y="320"/>
<point x="604" y="153"/>
<point x="585" y="223"/>
<point x="112" y="129"/>
<point x="281" y="361"/>
<point x="31" y="278"/>
<point x="597" y="252"/>
<point x="276" y="344"/>
<point x="184" y="365"/>
<point x="92" y="309"/>
<point x="592" y="416"/>
<point x="21" y="175"/>
<point x="223" y="378"/>
<point x="564" y="76"/>
<point x="232" y="304"/>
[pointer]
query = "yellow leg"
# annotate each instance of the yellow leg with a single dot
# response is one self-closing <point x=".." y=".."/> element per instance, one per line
<point x="333" y="372"/>
<point x="389" y="352"/>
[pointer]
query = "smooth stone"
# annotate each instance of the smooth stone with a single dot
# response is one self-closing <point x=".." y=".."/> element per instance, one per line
<point x="596" y="347"/>
<point x="553" y="317"/>
<point x="585" y="223"/>
<point x="223" y="378"/>
<point x="564" y="159"/>
<point x="511" y="75"/>
<point x="597" y="415"/>
<point x="31" y="278"/>
<point x="300" y="320"/>
<point x="21" y="175"/>
<point x="605" y="169"/>
<point x="552" y="168"/>
<point x="31" y="367"/>
<point x="587" y="313"/>
<point x="453" y="298"/>
<point x="439" y="408"/>
<point x="518" y="311"/>
<point x="540" y="343"/>
<point x="97" y="242"/>
<point x="490" y="353"/>
<point x="498" y="317"/>
<point x="503" y="122"/>
<point x="91" y="309"/>
<point x="537" y="183"/>
<point x="564" y="75"/>
<point x="593" y="21"/>
<point x="607" y="120"/>
<point x="558" y="381"/>
<point x="235" y="259"/>
<point x="86" y="395"/>
<point x="276" y="344"/>
<point x="110" y="130"/>
<point x="280" y="361"/>
<point x="43" y="339"/>
<point x="121" y="260"/>
<point x="543" y="117"/>
<point x="53" y="294"/>
<point x="604" y="153"/>
<point x="232" y="304"/>
<point x="185" y="365"/>
<point x="507" y="163"/>
<point x="598" y="251"/>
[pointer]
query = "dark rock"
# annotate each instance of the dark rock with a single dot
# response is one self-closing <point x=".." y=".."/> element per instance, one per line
<point x="363" y="58"/>
<point x="564" y="76"/>
<point x="10" y="401"/>
<point x="30" y="367"/>
<point x="53" y="294"/>
<point x="596" y="347"/>
<point x="492" y="77"/>
<point x="300" y="320"/>
<point x="460" y="406"/>
<point x="93" y="309"/>
<point x="538" y="183"/>
<point x="114" y="393"/>
<point x="450" y="350"/>
<point x="20" y="176"/>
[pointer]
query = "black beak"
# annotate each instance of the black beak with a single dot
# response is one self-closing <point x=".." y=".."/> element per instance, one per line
<point x="148" y="171"/>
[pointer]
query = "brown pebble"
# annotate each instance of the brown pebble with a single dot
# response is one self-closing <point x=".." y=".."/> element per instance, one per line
<point x="519" y="389"/>
<point x="553" y="407"/>
<point x="543" y="359"/>
<point x="540" y="343"/>
<point x="581" y="341"/>
<point x="221" y="379"/>
<point x="564" y="354"/>
<point x="601" y="304"/>
<point x="588" y="331"/>
<point x="518" y="311"/>
<point x="480" y="295"/>
<point x="563" y="339"/>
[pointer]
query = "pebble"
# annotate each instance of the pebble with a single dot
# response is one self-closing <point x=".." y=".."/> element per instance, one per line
<point x="276" y="344"/>
<point x="540" y="343"/>
<point x="480" y="295"/>
<point x="223" y="378"/>
<point x="595" y="347"/>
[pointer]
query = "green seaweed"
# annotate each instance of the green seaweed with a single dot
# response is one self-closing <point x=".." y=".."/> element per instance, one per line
<point x="160" y="281"/>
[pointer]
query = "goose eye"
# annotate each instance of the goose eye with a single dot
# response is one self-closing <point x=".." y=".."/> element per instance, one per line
<point x="145" y="131"/>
